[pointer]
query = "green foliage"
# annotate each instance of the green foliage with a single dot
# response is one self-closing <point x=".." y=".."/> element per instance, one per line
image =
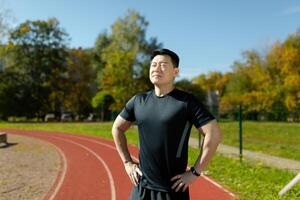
<point x="124" y="57"/>
<point x="102" y="100"/>
<point x="238" y="85"/>
<point x="14" y="95"/>
<point x="36" y="53"/>
<point x="186" y="85"/>
<point x="212" y="81"/>
<point x="37" y="70"/>
<point x="101" y="103"/>
<point x="80" y="83"/>
<point x="51" y="78"/>
<point x="98" y="62"/>
<point x="266" y="83"/>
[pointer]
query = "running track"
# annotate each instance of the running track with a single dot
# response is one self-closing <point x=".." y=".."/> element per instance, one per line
<point x="92" y="170"/>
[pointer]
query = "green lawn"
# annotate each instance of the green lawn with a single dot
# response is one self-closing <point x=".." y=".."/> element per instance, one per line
<point x="249" y="181"/>
<point x="275" y="138"/>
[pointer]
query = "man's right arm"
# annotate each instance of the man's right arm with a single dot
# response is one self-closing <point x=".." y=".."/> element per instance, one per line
<point x="119" y="128"/>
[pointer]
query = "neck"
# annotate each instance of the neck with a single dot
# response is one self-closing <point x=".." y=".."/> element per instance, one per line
<point x="161" y="90"/>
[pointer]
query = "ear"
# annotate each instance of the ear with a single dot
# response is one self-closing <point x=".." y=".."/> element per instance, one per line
<point x="176" y="71"/>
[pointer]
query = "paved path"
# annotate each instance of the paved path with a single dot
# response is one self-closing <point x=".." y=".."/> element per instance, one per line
<point x="91" y="169"/>
<point x="273" y="161"/>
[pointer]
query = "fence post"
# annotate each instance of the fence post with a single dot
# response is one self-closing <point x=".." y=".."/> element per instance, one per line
<point x="240" y="118"/>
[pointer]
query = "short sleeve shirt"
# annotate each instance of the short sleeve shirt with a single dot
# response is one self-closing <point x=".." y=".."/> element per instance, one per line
<point x="164" y="125"/>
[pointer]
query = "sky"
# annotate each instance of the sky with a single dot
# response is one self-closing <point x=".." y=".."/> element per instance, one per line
<point x="207" y="35"/>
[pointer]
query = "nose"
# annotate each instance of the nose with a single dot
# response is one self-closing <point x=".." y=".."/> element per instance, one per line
<point x="156" y="68"/>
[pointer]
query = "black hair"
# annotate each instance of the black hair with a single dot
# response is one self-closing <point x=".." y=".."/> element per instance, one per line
<point x="173" y="55"/>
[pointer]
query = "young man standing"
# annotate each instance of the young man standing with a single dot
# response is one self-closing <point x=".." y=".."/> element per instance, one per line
<point x="164" y="117"/>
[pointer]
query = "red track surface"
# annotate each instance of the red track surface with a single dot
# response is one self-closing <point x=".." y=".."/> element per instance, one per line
<point x="91" y="169"/>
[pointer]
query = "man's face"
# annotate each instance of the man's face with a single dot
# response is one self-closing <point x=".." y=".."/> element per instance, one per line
<point x="162" y="70"/>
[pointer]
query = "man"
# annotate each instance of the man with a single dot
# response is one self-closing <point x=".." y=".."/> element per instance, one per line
<point x="164" y="117"/>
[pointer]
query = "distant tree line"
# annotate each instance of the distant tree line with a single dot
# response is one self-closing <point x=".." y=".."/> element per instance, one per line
<point x="40" y="73"/>
<point x="266" y="85"/>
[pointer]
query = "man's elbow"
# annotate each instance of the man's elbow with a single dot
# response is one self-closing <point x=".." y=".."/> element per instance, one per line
<point x="218" y="137"/>
<point x="216" y="134"/>
<point x="115" y="130"/>
<point x="120" y="126"/>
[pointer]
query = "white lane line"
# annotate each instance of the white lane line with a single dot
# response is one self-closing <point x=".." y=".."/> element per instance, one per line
<point x="110" y="177"/>
<point x="218" y="185"/>
<point x="62" y="177"/>
<point x="98" y="142"/>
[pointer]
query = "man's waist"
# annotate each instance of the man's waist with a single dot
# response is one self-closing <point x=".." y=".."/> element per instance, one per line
<point x="154" y="185"/>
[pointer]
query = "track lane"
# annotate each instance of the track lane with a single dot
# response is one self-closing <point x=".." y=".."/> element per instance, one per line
<point x="204" y="188"/>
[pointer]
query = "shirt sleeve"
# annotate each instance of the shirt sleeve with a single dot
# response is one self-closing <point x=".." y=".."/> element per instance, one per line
<point x="128" y="111"/>
<point x="197" y="112"/>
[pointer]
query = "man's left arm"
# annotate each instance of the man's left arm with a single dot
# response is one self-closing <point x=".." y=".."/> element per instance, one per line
<point x="212" y="139"/>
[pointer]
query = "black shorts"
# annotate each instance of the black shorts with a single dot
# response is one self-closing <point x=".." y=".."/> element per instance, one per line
<point x="141" y="193"/>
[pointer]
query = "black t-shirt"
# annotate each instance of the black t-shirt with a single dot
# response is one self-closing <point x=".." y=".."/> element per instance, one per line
<point x="164" y="125"/>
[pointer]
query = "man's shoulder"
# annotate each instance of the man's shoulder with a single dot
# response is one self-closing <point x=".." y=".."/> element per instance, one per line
<point x="183" y="95"/>
<point x="184" y="92"/>
<point x="142" y="95"/>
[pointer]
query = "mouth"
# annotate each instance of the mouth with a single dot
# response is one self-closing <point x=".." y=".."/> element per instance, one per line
<point x="156" y="76"/>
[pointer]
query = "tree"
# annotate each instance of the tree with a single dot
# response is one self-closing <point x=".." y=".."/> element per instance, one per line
<point x="15" y="95"/>
<point x="101" y="103"/>
<point x="97" y="52"/>
<point x="291" y="71"/>
<point x="80" y="83"/>
<point x="283" y="64"/>
<point x="213" y="81"/>
<point x="267" y="84"/>
<point x="125" y="56"/>
<point x="246" y="86"/>
<point x="186" y="85"/>
<point x="36" y="51"/>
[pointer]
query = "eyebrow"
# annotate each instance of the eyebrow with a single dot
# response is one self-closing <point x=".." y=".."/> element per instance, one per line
<point x="163" y="62"/>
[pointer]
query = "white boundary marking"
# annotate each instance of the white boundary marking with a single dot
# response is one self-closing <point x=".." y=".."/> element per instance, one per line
<point x="218" y="185"/>
<point x="62" y="177"/>
<point x="98" y="142"/>
<point x="110" y="177"/>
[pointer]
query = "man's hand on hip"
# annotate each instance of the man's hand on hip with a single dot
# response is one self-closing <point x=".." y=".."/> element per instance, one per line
<point x="133" y="172"/>
<point x="182" y="181"/>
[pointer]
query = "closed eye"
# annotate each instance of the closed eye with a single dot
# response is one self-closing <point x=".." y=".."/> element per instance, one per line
<point x="153" y="64"/>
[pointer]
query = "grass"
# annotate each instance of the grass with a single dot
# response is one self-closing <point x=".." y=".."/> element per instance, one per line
<point x="274" y="138"/>
<point x="250" y="181"/>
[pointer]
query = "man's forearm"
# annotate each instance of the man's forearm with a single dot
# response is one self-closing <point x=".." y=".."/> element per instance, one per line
<point x="210" y="145"/>
<point x="121" y="144"/>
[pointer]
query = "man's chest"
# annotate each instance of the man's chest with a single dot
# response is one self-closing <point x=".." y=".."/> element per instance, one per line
<point x="164" y="111"/>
